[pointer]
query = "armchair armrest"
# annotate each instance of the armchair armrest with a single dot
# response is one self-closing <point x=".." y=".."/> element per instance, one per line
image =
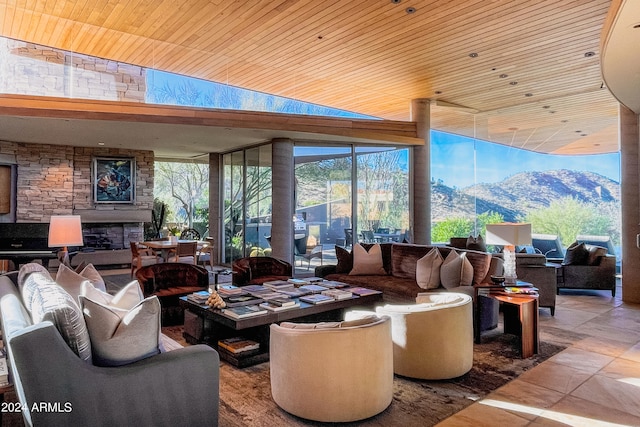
<point x="166" y="389"/>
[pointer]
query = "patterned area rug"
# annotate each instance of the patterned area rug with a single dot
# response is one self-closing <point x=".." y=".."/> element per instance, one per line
<point x="245" y="394"/>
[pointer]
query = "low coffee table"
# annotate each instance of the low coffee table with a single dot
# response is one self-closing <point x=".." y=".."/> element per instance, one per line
<point x="216" y="325"/>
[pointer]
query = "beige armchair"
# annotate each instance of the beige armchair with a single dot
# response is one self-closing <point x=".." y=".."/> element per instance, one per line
<point x="432" y="339"/>
<point x="332" y="372"/>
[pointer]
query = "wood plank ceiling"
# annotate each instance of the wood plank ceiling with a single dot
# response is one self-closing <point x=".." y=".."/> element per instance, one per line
<point x="525" y="73"/>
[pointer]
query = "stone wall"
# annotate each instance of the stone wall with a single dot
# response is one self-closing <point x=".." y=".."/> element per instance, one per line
<point x="30" y="69"/>
<point x="57" y="180"/>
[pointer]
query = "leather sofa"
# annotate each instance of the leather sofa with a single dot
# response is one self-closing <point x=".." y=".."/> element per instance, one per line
<point x="399" y="284"/>
<point x="169" y="389"/>
<point x="169" y="281"/>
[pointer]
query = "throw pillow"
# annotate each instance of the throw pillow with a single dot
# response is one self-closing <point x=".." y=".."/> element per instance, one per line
<point x="456" y="270"/>
<point x="54" y="304"/>
<point x="29" y="268"/>
<point x="577" y="254"/>
<point x="72" y="281"/>
<point x="476" y="243"/>
<point x="120" y="336"/>
<point x="367" y="262"/>
<point x="345" y="260"/>
<point x="126" y="298"/>
<point x="30" y="286"/>
<point x="594" y="253"/>
<point x="428" y="270"/>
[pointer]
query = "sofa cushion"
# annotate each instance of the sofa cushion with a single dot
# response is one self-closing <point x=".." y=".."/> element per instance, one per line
<point x="481" y="263"/>
<point x="367" y="262"/>
<point x="404" y="259"/>
<point x="52" y="303"/>
<point x="72" y="282"/>
<point x="121" y="336"/>
<point x="576" y="254"/>
<point x="594" y="254"/>
<point x="428" y="270"/>
<point x="345" y="260"/>
<point x="456" y="270"/>
<point x="126" y="298"/>
<point x="476" y="243"/>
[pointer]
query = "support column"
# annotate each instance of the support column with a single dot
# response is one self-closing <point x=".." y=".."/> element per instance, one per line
<point x="630" y="195"/>
<point x="216" y="209"/>
<point x="282" y="199"/>
<point x="420" y="205"/>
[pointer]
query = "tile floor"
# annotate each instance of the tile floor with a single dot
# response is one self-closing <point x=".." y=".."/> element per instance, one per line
<point x="595" y="381"/>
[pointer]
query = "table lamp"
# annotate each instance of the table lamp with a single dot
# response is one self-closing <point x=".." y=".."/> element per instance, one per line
<point x="509" y="234"/>
<point x="64" y="231"/>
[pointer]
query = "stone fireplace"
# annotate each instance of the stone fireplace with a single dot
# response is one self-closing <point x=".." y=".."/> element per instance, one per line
<point x="112" y="235"/>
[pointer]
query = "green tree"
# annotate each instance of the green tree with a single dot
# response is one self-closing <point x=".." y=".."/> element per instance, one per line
<point x="570" y="217"/>
<point x="442" y="231"/>
<point x="183" y="187"/>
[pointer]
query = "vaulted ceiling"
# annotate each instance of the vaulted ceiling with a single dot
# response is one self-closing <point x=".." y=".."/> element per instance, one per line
<point x="516" y="72"/>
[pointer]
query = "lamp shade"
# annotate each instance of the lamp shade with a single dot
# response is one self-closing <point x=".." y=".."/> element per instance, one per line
<point x="508" y="234"/>
<point x="65" y="230"/>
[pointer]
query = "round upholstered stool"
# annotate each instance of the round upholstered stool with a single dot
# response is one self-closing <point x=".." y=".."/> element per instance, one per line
<point x="432" y="339"/>
<point x="332" y="372"/>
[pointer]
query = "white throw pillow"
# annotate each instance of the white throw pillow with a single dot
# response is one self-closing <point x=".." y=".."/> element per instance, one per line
<point x="126" y="298"/>
<point x="72" y="282"/>
<point x="118" y="336"/>
<point x="367" y="263"/>
<point x="456" y="270"/>
<point x="428" y="270"/>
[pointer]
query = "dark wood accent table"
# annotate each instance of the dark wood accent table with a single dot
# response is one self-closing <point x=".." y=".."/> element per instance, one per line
<point x="217" y="326"/>
<point x="520" y="315"/>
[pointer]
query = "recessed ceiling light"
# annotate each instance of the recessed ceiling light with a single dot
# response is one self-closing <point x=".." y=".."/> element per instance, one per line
<point x="546" y="106"/>
<point x="583" y="134"/>
<point x="410" y="10"/>
<point x="589" y="54"/>
<point x="101" y="143"/>
<point x="636" y="25"/>
<point x="530" y="94"/>
<point x="438" y="92"/>
<point x="513" y="129"/>
<point x="578" y="131"/>
<point x="503" y="76"/>
<point x="552" y="112"/>
<point x="513" y="83"/>
<point x="395" y="1"/>
<point x="564" y="121"/>
<point x="319" y="37"/>
<point x="473" y="55"/>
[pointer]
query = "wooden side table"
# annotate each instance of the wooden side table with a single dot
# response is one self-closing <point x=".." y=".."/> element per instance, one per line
<point x="520" y="312"/>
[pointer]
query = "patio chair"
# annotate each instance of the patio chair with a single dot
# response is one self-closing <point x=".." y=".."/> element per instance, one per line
<point x="141" y="257"/>
<point x="315" y="252"/>
<point x="190" y="234"/>
<point x="205" y="254"/>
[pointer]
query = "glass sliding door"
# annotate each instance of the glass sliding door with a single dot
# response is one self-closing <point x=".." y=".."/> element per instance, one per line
<point x="323" y="205"/>
<point x="383" y="194"/>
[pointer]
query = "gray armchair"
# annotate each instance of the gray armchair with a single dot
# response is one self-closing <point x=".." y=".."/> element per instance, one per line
<point x="599" y="276"/>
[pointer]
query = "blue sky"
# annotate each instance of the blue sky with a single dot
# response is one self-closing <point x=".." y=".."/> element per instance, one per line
<point x="451" y="155"/>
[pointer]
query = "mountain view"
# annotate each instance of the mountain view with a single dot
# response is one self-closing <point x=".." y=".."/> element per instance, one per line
<point x="518" y="194"/>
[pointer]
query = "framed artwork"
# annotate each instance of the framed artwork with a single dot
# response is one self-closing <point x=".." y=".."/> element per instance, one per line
<point x="114" y="180"/>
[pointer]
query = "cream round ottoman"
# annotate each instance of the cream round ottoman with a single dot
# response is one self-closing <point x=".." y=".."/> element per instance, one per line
<point x="332" y="372"/>
<point x="432" y="339"/>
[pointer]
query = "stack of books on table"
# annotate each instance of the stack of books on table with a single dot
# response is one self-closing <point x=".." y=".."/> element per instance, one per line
<point x="240" y="300"/>
<point x="316" y="299"/>
<point x="332" y="284"/>
<point x="229" y="290"/>
<point x="313" y="288"/>
<point x="244" y="311"/>
<point x="363" y="291"/>
<point x="239" y="345"/>
<point x="280" y="304"/>
<point x="298" y="282"/>
<point x="277" y="284"/>
<point x="520" y="290"/>
<point x="337" y="294"/>
<point x="198" y="297"/>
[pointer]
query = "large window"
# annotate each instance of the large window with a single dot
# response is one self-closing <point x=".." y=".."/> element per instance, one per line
<point x="247" y="202"/>
<point x="476" y="182"/>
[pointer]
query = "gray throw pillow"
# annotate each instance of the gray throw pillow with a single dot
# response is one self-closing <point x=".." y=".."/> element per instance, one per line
<point x="577" y="254"/>
<point x="594" y="254"/>
<point x="54" y="304"/>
